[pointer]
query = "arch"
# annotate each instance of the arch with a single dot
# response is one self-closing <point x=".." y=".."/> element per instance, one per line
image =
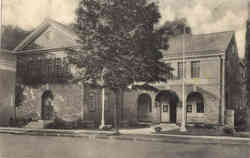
<point x="47" y="110"/>
<point x="144" y="107"/>
<point x="168" y="101"/>
<point x="195" y="103"/>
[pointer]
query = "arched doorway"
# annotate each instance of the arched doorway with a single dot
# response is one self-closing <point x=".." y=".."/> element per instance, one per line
<point x="47" y="109"/>
<point x="144" y="107"/>
<point x="195" y="103"/>
<point x="168" y="101"/>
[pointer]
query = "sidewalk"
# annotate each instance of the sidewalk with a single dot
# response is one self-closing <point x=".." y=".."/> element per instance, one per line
<point x="149" y="137"/>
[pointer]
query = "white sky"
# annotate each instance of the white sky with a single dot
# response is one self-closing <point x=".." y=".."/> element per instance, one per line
<point x="204" y="16"/>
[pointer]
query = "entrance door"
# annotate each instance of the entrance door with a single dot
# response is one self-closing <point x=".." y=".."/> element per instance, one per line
<point x="173" y="113"/>
<point x="167" y="101"/>
<point x="165" y="108"/>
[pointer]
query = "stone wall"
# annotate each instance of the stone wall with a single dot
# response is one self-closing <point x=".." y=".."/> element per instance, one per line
<point x="67" y="101"/>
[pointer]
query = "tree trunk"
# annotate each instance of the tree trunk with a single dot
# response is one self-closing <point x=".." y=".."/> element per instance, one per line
<point x="117" y="111"/>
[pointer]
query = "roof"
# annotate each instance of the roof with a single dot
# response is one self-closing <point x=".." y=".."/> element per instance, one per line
<point x="206" y="44"/>
<point x="43" y="27"/>
<point x="201" y="44"/>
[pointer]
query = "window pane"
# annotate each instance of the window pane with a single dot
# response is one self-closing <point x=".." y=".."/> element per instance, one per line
<point x="195" y="69"/>
<point x="180" y="70"/>
<point x="200" y="107"/>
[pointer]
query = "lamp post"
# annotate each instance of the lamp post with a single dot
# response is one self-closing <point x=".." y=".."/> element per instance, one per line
<point x="184" y="119"/>
<point x="103" y="101"/>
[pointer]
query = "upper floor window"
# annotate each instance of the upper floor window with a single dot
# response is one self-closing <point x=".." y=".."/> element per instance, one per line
<point x="195" y="69"/>
<point x="170" y="76"/>
<point x="181" y="70"/>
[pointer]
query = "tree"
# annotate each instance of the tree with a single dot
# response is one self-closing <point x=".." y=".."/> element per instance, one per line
<point x="12" y="36"/>
<point x="119" y="42"/>
<point x="175" y="28"/>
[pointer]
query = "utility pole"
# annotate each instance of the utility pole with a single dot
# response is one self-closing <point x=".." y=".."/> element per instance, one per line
<point x="184" y="119"/>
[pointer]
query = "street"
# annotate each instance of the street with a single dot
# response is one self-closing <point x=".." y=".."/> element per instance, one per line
<point x="24" y="146"/>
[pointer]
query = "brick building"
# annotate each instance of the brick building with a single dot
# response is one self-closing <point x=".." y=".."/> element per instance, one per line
<point x="211" y="66"/>
<point x="7" y="86"/>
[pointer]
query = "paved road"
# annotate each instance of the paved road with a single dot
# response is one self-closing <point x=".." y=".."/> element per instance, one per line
<point x="21" y="146"/>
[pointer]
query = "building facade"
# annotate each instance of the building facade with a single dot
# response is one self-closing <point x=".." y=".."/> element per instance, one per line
<point x="7" y="86"/>
<point x="210" y="66"/>
<point x="210" y="71"/>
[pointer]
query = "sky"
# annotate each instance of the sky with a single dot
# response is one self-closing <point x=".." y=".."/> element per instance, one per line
<point x="204" y="16"/>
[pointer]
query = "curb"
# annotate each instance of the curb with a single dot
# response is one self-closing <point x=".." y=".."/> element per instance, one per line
<point x="108" y="135"/>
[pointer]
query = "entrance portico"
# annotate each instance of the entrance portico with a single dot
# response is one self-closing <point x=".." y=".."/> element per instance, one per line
<point x="167" y="101"/>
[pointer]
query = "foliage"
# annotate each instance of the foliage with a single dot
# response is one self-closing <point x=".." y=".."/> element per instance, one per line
<point x="19" y="96"/>
<point x="12" y="36"/>
<point x="229" y="130"/>
<point x="118" y="37"/>
<point x="175" y="28"/>
<point x="120" y="45"/>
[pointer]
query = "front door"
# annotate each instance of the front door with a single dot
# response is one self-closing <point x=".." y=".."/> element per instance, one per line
<point x="173" y="113"/>
<point x="165" y="108"/>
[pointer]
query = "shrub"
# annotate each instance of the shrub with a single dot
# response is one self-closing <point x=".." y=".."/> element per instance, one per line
<point x="210" y="126"/>
<point x="229" y="130"/>
<point x="158" y="129"/>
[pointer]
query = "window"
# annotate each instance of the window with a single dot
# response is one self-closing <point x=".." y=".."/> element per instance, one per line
<point x="189" y="108"/>
<point x="49" y="70"/>
<point x="180" y="70"/>
<point x="200" y="107"/>
<point x="165" y="108"/>
<point x="195" y="69"/>
<point x="195" y="98"/>
<point x="58" y="67"/>
<point x="170" y="76"/>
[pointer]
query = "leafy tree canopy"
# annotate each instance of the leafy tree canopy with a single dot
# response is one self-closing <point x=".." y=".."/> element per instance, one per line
<point x="12" y="36"/>
<point x="175" y="28"/>
<point x="118" y="36"/>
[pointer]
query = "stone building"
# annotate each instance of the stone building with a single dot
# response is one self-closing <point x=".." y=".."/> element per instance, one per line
<point x="210" y="73"/>
<point x="210" y="66"/>
<point x="7" y="86"/>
